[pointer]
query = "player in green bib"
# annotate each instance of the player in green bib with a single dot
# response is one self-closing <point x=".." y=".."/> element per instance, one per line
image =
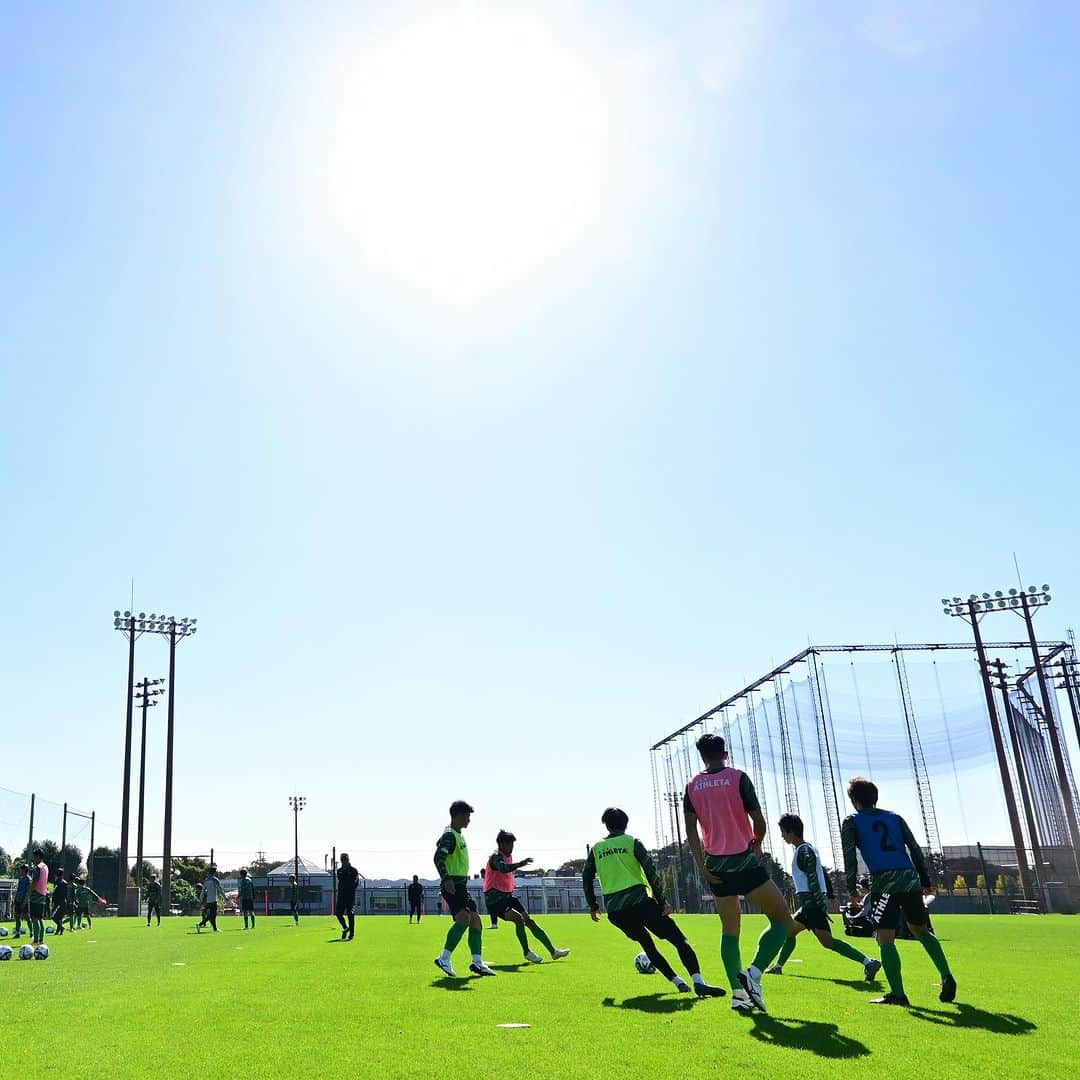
<point x="452" y="862"/>
<point x="627" y="876"/>
<point x="247" y="899"/>
<point x="153" y="899"/>
<point x="813" y="894"/>
<point x="83" y="896"/>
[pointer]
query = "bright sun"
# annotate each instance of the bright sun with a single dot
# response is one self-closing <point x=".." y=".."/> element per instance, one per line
<point x="466" y="153"/>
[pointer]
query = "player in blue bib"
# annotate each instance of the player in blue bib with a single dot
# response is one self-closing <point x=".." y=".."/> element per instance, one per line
<point x="898" y="881"/>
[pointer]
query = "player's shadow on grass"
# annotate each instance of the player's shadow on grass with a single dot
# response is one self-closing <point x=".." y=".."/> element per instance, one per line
<point x="967" y="1016"/>
<point x="651" y="1003"/>
<point x="854" y="984"/>
<point x="451" y="984"/>
<point x="819" y="1038"/>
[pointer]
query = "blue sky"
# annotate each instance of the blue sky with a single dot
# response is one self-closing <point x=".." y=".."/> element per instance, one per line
<point x="501" y="390"/>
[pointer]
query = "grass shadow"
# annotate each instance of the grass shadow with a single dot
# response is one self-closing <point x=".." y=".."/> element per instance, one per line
<point x="968" y="1016"/>
<point x="511" y="967"/>
<point x="652" y="1003"/>
<point x="854" y="984"/>
<point x="824" y="1040"/>
<point x="450" y="984"/>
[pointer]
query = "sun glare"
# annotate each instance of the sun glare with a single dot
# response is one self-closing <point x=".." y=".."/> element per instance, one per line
<point x="466" y="154"/>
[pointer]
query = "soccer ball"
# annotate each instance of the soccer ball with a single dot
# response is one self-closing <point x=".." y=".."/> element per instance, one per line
<point x="644" y="964"/>
<point x="50" y="929"/>
<point x="41" y="952"/>
<point x="3" y="931"/>
<point x="26" y="952"/>
<point x="5" y="952"/>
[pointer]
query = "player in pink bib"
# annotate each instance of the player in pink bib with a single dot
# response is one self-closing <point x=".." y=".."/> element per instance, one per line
<point x="721" y="801"/>
<point x="503" y="904"/>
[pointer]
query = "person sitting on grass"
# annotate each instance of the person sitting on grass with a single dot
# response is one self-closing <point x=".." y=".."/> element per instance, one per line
<point x="813" y="894"/>
<point x="627" y="876"/>
<point x="898" y="881"/>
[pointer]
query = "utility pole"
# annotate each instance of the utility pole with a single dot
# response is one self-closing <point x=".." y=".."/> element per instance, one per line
<point x="147" y="699"/>
<point x="168" y="626"/>
<point x="126" y="624"/>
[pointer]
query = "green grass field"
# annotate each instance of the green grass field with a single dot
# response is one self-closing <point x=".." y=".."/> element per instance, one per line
<point x="123" y="1000"/>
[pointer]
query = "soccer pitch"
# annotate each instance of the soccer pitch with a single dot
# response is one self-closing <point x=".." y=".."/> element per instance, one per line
<point x="123" y="1000"/>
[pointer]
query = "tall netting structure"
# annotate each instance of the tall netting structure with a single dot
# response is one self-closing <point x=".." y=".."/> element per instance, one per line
<point x="915" y="719"/>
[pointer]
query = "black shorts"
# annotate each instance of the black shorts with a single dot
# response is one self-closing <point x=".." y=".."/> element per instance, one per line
<point x="39" y="906"/>
<point x="497" y="909"/>
<point x="885" y="909"/>
<point x="812" y="917"/>
<point x="647" y="915"/>
<point x="739" y="882"/>
<point x="459" y="900"/>
<point x="247" y="905"/>
<point x="414" y="907"/>
<point x="343" y="906"/>
<point x="21" y="907"/>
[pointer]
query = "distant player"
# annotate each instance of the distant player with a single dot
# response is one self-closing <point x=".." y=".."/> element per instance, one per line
<point x="452" y="862"/>
<point x="294" y="899"/>
<point x="22" y="901"/>
<point x="84" y="896"/>
<point x="813" y="894"/>
<point x="627" y="876"/>
<point x="247" y="899"/>
<point x="59" y="900"/>
<point x="153" y="899"/>
<point x="211" y="895"/>
<point x="416" y="899"/>
<point x="723" y="802"/>
<point x="39" y="898"/>
<point x="898" y="881"/>
<point x="503" y="904"/>
<point x="348" y="878"/>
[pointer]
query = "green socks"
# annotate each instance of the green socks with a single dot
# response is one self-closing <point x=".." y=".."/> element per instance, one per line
<point x="937" y="954"/>
<point x="848" y="951"/>
<point x="769" y="944"/>
<point x="731" y="959"/>
<point x="523" y="938"/>
<point x="890" y="961"/>
<point x="475" y="938"/>
<point x="543" y="938"/>
<point x="786" y="951"/>
<point x="453" y="936"/>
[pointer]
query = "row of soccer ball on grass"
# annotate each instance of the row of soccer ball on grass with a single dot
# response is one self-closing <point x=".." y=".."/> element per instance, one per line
<point x="48" y="930"/>
<point x="26" y="952"/>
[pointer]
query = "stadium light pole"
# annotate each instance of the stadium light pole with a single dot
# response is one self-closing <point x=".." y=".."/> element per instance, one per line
<point x="1024" y="604"/>
<point x="167" y="626"/>
<point x="126" y="623"/>
<point x="147" y="699"/>
<point x="297" y="803"/>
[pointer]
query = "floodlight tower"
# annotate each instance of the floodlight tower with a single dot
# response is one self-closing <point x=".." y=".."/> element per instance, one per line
<point x="147" y="695"/>
<point x="1024" y="604"/>
<point x="297" y="803"/>
<point x="175" y="630"/>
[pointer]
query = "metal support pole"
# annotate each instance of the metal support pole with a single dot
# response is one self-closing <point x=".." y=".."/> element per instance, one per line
<point x="166" y="857"/>
<point x="125" y="806"/>
<point x="986" y="879"/>
<point x="333" y="879"/>
<point x="30" y="839"/>
<point x="1021" y="774"/>
<point x="90" y="857"/>
<point x="999" y="748"/>
<point x="63" y="836"/>
<point x="1070" y="692"/>
<point x="142" y="790"/>
<point x="296" y="842"/>
<point x="1051" y="727"/>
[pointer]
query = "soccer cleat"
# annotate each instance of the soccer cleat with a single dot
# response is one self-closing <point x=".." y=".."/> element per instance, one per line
<point x="344" y="935"/>
<point x="705" y="990"/>
<point x="948" y="989"/>
<point x="891" y="999"/>
<point x="776" y="969"/>
<point x="445" y="967"/>
<point x="198" y="928"/>
<point x="753" y="989"/>
<point x="682" y="986"/>
<point x="478" y="967"/>
<point x="740" y="1001"/>
<point x="533" y="958"/>
<point x="870" y="969"/>
<point x="558" y="954"/>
